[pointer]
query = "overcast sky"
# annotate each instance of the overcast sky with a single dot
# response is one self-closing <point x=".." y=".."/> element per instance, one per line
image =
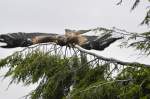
<point x="53" y="16"/>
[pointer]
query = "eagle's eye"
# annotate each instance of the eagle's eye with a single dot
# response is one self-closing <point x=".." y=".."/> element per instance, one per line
<point x="29" y="41"/>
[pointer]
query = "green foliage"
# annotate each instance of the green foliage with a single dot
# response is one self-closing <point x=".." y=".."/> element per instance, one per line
<point x="146" y="20"/>
<point x="140" y="41"/>
<point x="51" y="71"/>
<point x="74" y="77"/>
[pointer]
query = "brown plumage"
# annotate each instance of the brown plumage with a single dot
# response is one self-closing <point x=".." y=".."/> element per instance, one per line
<point x="43" y="39"/>
<point x="75" y="38"/>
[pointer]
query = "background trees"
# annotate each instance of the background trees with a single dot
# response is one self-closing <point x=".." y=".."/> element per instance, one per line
<point x="73" y="73"/>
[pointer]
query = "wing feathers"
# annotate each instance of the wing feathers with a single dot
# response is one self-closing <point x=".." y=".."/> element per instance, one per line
<point x="26" y="39"/>
<point x="23" y="39"/>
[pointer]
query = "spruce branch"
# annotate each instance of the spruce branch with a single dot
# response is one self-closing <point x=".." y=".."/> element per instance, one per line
<point x="102" y="84"/>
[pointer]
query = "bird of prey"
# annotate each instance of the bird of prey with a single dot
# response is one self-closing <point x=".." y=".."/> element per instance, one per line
<point x="21" y="39"/>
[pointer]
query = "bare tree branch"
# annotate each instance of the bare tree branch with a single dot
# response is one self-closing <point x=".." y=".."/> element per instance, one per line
<point x="112" y="60"/>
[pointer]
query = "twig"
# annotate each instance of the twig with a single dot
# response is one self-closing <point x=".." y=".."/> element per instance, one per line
<point x="119" y="2"/>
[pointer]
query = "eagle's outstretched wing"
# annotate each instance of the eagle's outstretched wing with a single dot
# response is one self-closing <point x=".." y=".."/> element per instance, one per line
<point x="26" y="39"/>
<point x="21" y="39"/>
<point x="99" y="44"/>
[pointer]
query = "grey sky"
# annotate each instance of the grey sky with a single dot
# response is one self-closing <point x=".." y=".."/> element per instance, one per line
<point x="56" y="15"/>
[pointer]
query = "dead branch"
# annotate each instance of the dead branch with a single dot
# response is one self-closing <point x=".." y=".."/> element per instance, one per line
<point x="111" y="60"/>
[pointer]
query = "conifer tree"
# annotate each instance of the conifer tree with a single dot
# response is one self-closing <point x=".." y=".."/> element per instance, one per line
<point x="73" y="72"/>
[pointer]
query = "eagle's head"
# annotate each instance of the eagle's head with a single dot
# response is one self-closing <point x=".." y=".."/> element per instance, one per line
<point x="26" y="42"/>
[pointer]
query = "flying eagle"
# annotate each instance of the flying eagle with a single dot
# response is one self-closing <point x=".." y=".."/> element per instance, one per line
<point x="71" y="37"/>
